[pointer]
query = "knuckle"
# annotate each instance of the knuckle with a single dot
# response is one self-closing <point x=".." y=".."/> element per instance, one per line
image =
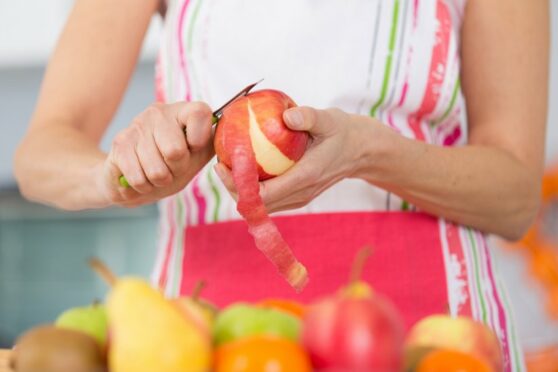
<point x="137" y="181"/>
<point x="336" y="114"/>
<point x="153" y="110"/>
<point x="121" y="139"/>
<point x="198" y="111"/>
<point x="137" y="127"/>
<point x="311" y="114"/>
<point x="174" y="151"/>
<point x="335" y="111"/>
<point x="159" y="174"/>
<point x="198" y="106"/>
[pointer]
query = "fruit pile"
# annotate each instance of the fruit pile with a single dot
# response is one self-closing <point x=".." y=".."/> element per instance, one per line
<point x="355" y="329"/>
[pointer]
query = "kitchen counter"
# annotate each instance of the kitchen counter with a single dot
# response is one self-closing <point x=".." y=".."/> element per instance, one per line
<point x="5" y="360"/>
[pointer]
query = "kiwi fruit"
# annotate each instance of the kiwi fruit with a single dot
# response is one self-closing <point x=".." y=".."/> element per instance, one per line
<point x="51" y="349"/>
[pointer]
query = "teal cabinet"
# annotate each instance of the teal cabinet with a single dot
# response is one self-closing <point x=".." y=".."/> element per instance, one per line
<point x="44" y="252"/>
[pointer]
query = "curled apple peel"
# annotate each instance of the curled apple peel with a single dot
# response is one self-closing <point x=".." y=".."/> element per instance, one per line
<point x="254" y="142"/>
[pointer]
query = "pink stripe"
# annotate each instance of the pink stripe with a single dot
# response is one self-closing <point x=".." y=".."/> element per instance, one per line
<point x="200" y="200"/>
<point x="182" y="17"/>
<point x="483" y="263"/>
<point x="188" y="207"/>
<point x="437" y="70"/>
<point x="456" y="248"/>
<point x="409" y="58"/>
<point x="163" y="279"/>
<point x="502" y="316"/>
<point x="415" y="14"/>
<point x="406" y="85"/>
<point x="391" y="122"/>
<point x="453" y="137"/>
<point x="198" y="195"/>
<point x="159" y="87"/>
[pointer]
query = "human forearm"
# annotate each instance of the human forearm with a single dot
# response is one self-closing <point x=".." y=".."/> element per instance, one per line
<point x="483" y="187"/>
<point x="56" y="164"/>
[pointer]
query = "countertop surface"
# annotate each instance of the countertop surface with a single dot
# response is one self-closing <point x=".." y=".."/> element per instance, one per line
<point x="4" y="360"/>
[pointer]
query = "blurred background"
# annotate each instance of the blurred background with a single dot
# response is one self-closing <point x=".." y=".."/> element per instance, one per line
<point x="43" y="251"/>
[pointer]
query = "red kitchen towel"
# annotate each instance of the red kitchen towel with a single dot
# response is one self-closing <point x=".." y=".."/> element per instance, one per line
<point x="406" y="265"/>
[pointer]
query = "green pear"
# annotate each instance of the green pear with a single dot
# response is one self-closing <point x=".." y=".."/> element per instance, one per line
<point x="89" y="319"/>
<point x="241" y="320"/>
<point x="150" y="333"/>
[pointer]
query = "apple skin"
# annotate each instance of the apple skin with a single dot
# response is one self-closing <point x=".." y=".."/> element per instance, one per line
<point x="344" y="333"/>
<point x="242" y="320"/>
<point x="200" y="312"/>
<point x="91" y="320"/>
<point x="266" y="107"/>
<point x="460" y="334"/>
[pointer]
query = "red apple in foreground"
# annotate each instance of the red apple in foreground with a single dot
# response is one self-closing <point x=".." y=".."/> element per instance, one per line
<point x="344" y="333"/>
<point x="253" y="141"/>
<point x="275" y="146"/>
<point x="460" y="334"/>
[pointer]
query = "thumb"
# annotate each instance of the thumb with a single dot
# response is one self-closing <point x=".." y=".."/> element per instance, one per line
<point x="316" y="122"/>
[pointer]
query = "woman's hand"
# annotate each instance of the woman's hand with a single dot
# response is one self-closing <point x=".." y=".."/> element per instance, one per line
<point x="334" y="153"/>
<point x="159" y="153"/>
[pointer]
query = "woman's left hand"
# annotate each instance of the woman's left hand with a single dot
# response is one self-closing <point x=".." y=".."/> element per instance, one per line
<point x="334" y="153"/>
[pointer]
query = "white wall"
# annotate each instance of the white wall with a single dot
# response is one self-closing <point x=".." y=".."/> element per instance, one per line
<point x="28" y="40"/>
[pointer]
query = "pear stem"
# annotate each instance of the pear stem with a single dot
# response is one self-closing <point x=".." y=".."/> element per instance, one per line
<point x="103" y="271"/>
<point x="358" y="263"/>
<point x="200" y="285"/>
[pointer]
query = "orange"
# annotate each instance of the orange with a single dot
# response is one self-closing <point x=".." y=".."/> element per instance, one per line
<point x="544" y="360"/>
<point x="291" y="307"/>
<point x="261" y="354"/>
<point x="452" y="361"/>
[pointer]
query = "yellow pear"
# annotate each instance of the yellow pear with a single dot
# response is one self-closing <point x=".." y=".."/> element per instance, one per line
<point x="149" y="333"/>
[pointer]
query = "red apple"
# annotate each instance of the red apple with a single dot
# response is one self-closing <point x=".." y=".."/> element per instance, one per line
<point x="460" y="334"/>
<point x="260" y="113"/>
<point x="253" y="141"/>
<point x="344" y="333"/>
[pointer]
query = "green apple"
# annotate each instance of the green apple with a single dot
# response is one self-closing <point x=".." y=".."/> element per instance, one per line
<point x="241" y="320"/>
<point x="91" y="320"/>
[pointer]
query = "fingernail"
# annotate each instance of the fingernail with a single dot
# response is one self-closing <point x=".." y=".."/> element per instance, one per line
<point x="294" y="118"/>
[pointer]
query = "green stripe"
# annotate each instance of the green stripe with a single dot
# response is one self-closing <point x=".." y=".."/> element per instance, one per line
<point x="511" y="324"/>
<point x="451" y="105"/>
<point x="389" y="60"/>
<point x="192" y="21"/>
<point x="215" y="191"/>
<point x="479" y="290"/>
<point x="405" y="205"/>
<point x="179" y="236"/>
<point x="190" y="38"/>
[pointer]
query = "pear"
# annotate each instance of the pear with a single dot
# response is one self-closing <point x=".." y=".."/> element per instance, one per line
<point x="151" y="333"/>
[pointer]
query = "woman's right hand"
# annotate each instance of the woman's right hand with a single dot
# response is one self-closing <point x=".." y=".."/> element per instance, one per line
<point x="159" y="153"/>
